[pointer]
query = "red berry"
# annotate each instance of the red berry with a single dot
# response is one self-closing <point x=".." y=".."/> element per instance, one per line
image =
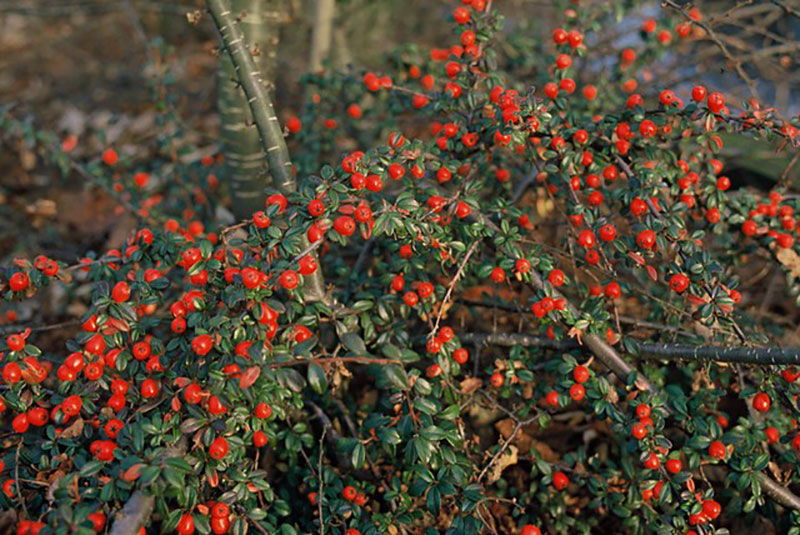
<point x="202" y="344"/>
<point x="679" y="282"/>
<point x="316" y="207"/>
<point x="261" y="220"/>
<point x="587" y="239"/>
<point x="711" y="509"/>
<point x="652" y="462"/>
<point x="716" y="450"/>
<point x="772" y="434"/>
<point x="646" y="239"/>
<point x="577" y="392"/>
<point x="121" y="292"/>
<point x="293" y="124"/>
<point x="580" y="373"/>
<point x="497" y="379"/>
<point x="674" y="466"/>
<point x="498" y="275"/>
<point x="761" y="402"/>
<point x="607" y="232"/>
<point x="185" y="525"/>
<point x="18" y="281"/>
<point x="15" y="342"/>
<point x="150" y="388"/>
<point x="218" y="448"/>
<point x="461" y="15"/>
<point x="613" y="290"/>
<point x="556" y="277"/>
<point x="349" y="493"/>
<point x="638" y="431"/>
<point x="716" y="102"/>
<point x="530" y="529"/>
<point x="260" y="439"/>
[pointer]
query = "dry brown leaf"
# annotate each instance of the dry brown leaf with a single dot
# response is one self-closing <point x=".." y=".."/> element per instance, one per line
<point x="506" y="459"/>
<point x="790" y="260"/>
<point x="470" y="385"/>
<point x="74" y="430"/>
<point x="524" y="441"/>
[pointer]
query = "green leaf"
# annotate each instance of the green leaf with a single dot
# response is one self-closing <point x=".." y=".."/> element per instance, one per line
<point x="394" y="376"/>
<point x="317" y="378"/>
<point x="358" y="455"/>
<point x="91" y="468"/>
<point x="423" y="449"/>
<point x="434" y="500"/>
<point x="354" y="343"/>
<point x="178" y="464"/>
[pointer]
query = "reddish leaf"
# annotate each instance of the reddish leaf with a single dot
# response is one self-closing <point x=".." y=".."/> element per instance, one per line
<point x="636" y="257"/>
<point x="249" y="377"/>
<point x="181" y="382"/>
<point x="132" y="473"/>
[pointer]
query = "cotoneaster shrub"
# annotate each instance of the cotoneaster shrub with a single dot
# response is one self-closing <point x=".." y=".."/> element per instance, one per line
<point x="471" y="364"/>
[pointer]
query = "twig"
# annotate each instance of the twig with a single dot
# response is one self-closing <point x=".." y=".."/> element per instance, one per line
<point x="363" y="255"/>
<point x="321" y="491"/>
<point x="787" y="9"/>
<point x="52" y="327"/>
<point x="16" y="478"/>
<point x="737" y="63"/>
<point x="788" y="169"/>
<point x="519" y="191"/>
<point x="452" y="285"/>
<point x="511" y="437"/>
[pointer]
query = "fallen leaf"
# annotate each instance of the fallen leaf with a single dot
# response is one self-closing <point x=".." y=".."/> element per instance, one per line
<point x="506" y="459"/>
<point x="790" y="260"/>
<point x="470" y="385"/>
<point x="73" y="430"/>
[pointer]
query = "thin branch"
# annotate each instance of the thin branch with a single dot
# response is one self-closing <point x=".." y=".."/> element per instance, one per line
<point x="452" y="285"/>
<point x="321" y="491"/>
<point x="764" y="356"/>
<point x="737" y="62"/>
<point x="325" y="360"/>
<point x="788" y="169"/>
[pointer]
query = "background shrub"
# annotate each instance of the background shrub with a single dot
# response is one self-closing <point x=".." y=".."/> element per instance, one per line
<point x="453" y="308"/>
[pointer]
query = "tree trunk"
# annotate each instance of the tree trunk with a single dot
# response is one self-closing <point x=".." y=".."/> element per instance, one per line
<point x="247" y="168"/>
<point x="267" y="125"/>
<point x="321" y="35"/>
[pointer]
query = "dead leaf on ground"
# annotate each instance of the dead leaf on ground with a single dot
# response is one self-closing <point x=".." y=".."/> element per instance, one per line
<point x="470" y="385"/>
<point x="525" y="441"/>
<point x="73" y="430"/>
<point x="790" y="260"/>
<point x="506" y="459"/>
